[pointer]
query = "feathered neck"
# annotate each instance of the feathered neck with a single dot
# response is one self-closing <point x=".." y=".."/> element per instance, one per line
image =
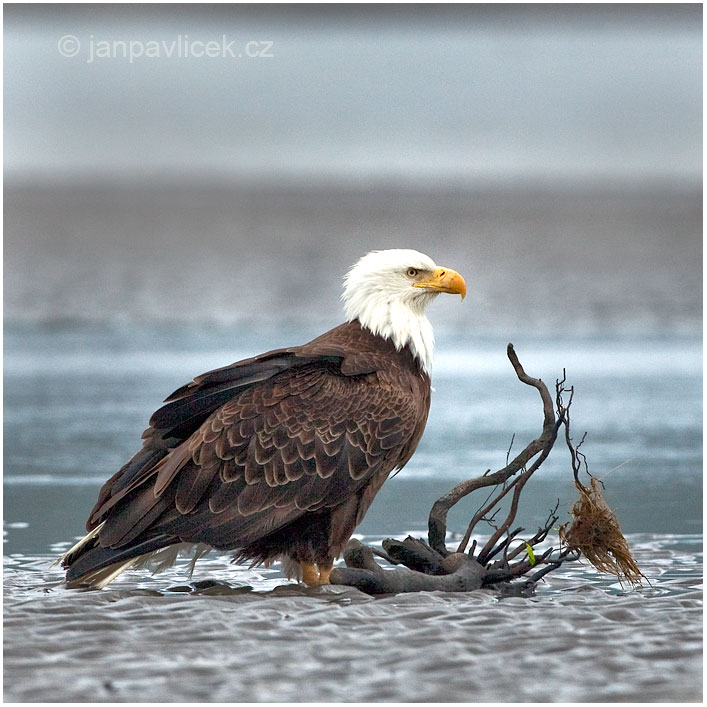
<point x="403" y="321"/>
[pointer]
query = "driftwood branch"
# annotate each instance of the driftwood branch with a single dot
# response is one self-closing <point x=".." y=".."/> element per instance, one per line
<point x="458" y="573"/>
<point x="437" y="524"/>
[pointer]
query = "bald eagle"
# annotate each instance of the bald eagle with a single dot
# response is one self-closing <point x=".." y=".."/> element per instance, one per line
<point x="278" y="457"/>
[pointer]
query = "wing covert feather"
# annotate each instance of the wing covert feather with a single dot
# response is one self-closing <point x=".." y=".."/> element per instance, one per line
<point x="315" y="448"/>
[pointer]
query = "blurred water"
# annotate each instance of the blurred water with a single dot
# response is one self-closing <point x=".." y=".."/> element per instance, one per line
<point x="77" y="399"/>
<point x="414" y="93"/>
<point x="555" y="261"/>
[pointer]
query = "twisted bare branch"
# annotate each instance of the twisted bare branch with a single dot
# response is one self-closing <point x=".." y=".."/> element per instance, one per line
<point x="437" y="523"/>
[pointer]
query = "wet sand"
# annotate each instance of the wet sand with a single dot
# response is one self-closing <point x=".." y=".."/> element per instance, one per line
<point x="212" y="639"/>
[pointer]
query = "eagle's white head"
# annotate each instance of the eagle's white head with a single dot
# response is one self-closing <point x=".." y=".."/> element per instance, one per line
<point x="388" y="292"/>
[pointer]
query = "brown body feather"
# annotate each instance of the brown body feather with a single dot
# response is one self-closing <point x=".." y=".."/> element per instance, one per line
<point x="275" y="456"/>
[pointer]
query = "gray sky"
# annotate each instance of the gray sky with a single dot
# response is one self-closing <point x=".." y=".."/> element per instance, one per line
<point x="452" y="93"/>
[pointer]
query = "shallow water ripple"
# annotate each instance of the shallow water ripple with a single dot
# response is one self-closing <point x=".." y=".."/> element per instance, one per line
<point x="243" y="635"/>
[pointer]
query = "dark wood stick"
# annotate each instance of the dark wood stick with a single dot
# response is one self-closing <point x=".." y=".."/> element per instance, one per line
<point x="437" y="523"/>
<point x="462" y="574"/>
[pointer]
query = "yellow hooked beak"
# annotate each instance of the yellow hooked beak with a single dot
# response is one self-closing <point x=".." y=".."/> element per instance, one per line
<point x="444" y="280"/>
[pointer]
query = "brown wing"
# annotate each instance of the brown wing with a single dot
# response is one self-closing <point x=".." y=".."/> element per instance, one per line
<point x="185" y="411"/>
<point x="347" y="345"/>
<point x="306" y="438"/>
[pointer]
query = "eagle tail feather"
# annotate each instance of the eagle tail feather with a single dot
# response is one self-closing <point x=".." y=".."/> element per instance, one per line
<point x="97" y="566"/>
<point x="75" y="551"/>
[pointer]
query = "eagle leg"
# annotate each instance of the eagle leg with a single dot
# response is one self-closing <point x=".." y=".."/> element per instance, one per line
<point x="324" y="572"/>
<point x="310" y="576"/>
<point x="315" y="575"/>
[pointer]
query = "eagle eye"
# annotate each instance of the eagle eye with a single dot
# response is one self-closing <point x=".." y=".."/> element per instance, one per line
<point x="412" y="272"/>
